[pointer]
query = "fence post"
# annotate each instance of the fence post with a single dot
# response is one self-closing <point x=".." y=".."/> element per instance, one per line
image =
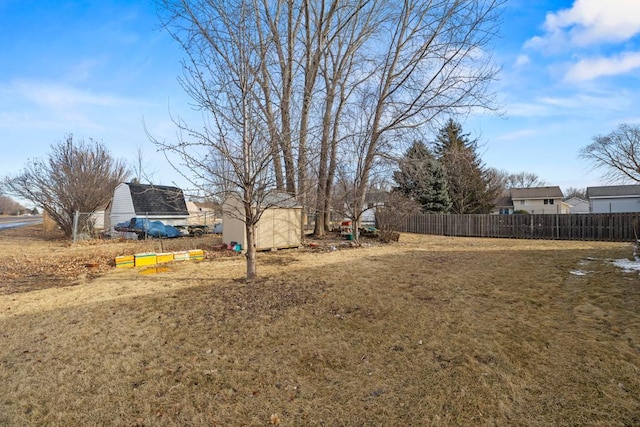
<point x="76" y="217"/>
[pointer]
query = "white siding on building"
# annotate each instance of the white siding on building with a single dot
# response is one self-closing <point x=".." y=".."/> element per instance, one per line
<point x="577" y="205"/>
<point x="614" y="205"/>
<point x="233" y="229"/>
<point x="122" y="209"/>
<point x="98" y="218"/>
<point x="537" y="206"/>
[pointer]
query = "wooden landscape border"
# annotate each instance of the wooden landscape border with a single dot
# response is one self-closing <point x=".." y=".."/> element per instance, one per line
<point x="614" y="227"/>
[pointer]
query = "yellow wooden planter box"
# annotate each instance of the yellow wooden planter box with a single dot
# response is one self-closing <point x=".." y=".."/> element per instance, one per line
<point x="146" y="259"/>
<point x="164" y="257"/>
<point x="125" y="261"/>
<point x="181" y="256"/>
<point x="196" y="255"/>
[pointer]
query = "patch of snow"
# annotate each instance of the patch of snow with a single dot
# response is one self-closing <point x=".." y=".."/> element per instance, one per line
<point x="627" y="265"/>
<point x="579" y="272"/>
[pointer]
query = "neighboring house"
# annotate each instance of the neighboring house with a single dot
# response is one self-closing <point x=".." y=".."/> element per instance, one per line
<point x="280" y="225"/>
<point x="614" y="198"/>
<point x="201" y="214"/>
<point x="503" y="205"/>
<point x="152" y="202"/>
<point x="99" y="219"/>
<point x="577" y="205"/>
<point x="373" y="200"/>
<point x="539" y="200"/>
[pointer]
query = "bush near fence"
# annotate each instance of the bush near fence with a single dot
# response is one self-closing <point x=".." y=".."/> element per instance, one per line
<point x="618" y="227"/>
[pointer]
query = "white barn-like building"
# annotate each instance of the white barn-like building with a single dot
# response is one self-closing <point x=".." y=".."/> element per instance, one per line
<point x="152" y="202"/>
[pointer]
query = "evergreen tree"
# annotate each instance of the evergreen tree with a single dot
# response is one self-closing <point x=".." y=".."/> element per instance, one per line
<point x="471" y="187"/>
<point x="421" y="178"/>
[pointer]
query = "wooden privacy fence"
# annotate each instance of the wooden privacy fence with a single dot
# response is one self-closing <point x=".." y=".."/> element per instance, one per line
<point x="620" y="227"/>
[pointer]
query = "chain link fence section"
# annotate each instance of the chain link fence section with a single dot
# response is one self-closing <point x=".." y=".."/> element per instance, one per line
<point x="87" y="225"/>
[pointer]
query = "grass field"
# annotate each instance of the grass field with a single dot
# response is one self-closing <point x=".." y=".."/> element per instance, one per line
<point x="427" y="331"/>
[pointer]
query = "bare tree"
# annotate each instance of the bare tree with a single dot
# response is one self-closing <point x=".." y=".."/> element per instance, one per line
<point x="524" y="180"/>
<point x="507" y="180"/>
<point x="141" y="168"/>
<point x="390" y="217"/>
<point x="617" y="153"/>
<point x="320" y="79"/>
<point x="277" y="26"/>
<point x="570" y="192"/>
<point x="77" y="176"/>
<point x="234" y="149"/>
<point x="338" y="65"/>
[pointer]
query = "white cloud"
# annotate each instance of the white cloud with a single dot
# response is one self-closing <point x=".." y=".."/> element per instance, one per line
<point x="519" y="134"/>
<point x="582" y="105"/>
<point x="590" y="69"/>
<point x="522" y="60"/>
<point x="528" y="109"/>
<point x="590" y="22"/>
<point x="52" y="105"/>
<point x="57" y="96"/>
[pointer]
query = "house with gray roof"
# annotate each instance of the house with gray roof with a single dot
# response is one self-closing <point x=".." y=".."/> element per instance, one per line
<point x="539" y="200"/>
<point x="148" y="201"/>
<point x="614" y="199"/>
<point x="533" y="200"/>
<point x="503" y="204"/>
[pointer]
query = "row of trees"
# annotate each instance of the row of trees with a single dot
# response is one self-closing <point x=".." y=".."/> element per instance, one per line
<point x="8" y="206"/>
<point x="448" y="176"/>
<point x="423" y="175"/>
<point x="81" y="175"/>
<point x="314" y="97"/>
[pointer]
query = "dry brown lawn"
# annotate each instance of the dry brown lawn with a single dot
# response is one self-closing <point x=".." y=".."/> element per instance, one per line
<point x="427" y="331"/>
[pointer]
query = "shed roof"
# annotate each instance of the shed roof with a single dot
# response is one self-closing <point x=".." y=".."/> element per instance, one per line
<point x="614" y="191"/>
<point x="157" y="199"/>
<point x="274" y="199"/>
<point x="280" y="200"/>
<point x="536" y="193"/>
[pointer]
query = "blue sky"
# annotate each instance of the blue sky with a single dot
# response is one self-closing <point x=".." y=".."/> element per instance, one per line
<point x="97" y="69"/>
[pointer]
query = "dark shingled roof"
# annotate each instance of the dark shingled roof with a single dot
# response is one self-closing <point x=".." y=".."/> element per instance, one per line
<point x="536" y="193"/>
<point x="157" y="200"/>
<point x="503" y="201"/>
<point x="613" y="191"/>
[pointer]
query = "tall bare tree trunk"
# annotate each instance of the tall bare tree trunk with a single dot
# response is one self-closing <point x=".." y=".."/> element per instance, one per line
<point x="317" y="28"/>
<point x="323" y="166"/>
<point x="285" y="52"/>
<point x="251" y="255"/>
